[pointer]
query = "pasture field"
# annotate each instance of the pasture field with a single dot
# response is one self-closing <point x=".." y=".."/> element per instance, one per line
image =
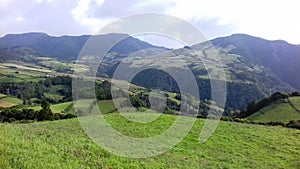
<point x="14" y="72"/>
<point x="64" y="144"/>
<point x="56" y="108"/>
<point x="7" y="101"/>
<point x="278" y="112"/>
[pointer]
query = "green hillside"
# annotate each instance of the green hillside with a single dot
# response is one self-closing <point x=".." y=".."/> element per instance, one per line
<point x="63" y="144"/>
<point x="56" y="108"/>
<point x="278" y="111"/>
<point x="9" y="101"/>
<point x="2" y="95"/>
<point x="106" y="106"/>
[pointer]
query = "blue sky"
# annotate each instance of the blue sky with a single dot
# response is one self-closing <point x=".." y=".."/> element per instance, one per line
<point x="270" y="19"/>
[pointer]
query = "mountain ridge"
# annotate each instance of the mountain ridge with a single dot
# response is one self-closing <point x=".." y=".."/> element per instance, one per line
<point x="68" y="47"/>
<point x="278" y="56"/>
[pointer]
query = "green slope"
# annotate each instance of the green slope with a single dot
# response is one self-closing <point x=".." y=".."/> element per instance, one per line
<point x="278" y="112"/>
<point x="63" y="144"/>
<point x="2" y="95"/>
<point x="56" y="108"/>
<point x="9" y="101"/>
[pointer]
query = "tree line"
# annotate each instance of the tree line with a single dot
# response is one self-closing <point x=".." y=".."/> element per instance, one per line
<point x="30" y="115"/>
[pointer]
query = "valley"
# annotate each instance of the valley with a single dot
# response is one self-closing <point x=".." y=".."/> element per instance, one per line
<point x="40" y="115"/>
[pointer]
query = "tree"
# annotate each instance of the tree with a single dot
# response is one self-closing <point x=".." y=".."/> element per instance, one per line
<point x="45" y="113"/>
<point x="45" y="105"/>
<point x="24" y="101"/>
<point x="47" y="83"/>
<point x="29" y="102"/>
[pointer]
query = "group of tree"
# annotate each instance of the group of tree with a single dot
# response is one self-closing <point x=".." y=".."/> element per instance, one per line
<point x="28" y="90"/>
<point x="29" y="115"/>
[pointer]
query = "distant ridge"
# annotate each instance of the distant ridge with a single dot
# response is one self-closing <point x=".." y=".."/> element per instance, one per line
<point x="68" y="47"/>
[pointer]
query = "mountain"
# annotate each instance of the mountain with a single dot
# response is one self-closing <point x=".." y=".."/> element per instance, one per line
<point x="16" y="53"/>
<point x="254" y="67"/>
<point x="68" y="47"/>
<point x="279" y="57"/>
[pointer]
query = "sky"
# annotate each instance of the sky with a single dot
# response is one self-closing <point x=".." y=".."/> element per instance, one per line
<point x="269" y="19"/>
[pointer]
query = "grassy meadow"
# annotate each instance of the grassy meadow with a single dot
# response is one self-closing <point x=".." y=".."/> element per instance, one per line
<point x="278" y="112"/>
<point x="6" y="101"/>
<point x="16" y="72"/>
<point x="56" y="108"/>
<point x="63" y="144"/>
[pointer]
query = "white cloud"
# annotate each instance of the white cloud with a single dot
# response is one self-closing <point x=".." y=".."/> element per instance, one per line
<point x="40" y="1"/>
<point x="4" y="3"/>
<point x="20" y="19"/>
<point x="80" y="14"/>
<point x="100" y="2"/>
<point x="269" y="19"/>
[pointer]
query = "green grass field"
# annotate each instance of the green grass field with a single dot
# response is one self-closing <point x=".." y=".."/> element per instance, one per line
<point x="106" y="106"/>
<point x="278" y="112"/>
<point x="2" y="95"/>
<point x="5" y="104"/>
<point x="9" y="101"/>
<point x="296" y="102"/>
<point x="63" y="144"/>
<point x="12" y="100"/>
<point x="20" y="73"/>
<point x="56" y="108"/>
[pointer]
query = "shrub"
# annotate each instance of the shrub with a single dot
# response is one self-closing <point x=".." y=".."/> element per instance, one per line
<point x="11" y="120"/>
<point x="294" y="124"/>
<point x="68" y="116"/>
<point x="226" y="119"/>
<point x="272" y="123"/>
<point x="239" y="120"/>
<point x="294" y="94"/>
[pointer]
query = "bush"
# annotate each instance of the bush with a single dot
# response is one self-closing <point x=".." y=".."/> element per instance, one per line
<point x="226" y="119"/>
<point x="67" y="116"/>
<point x="240" y="120"/>
<point x="294" y="94"/>
<point x="137" y="102"/>
<point x="279" y="95"/>
<point x="272" y="123"/>
<point x="11" y="120"/>
<point x="294" y="124"/>
<point x="56" y="116"/>
<point x="26" y="121"/>
<point x="262" y="123"/>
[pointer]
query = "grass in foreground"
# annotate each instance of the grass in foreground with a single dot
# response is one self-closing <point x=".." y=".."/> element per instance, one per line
<point x="63" y="144"/>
